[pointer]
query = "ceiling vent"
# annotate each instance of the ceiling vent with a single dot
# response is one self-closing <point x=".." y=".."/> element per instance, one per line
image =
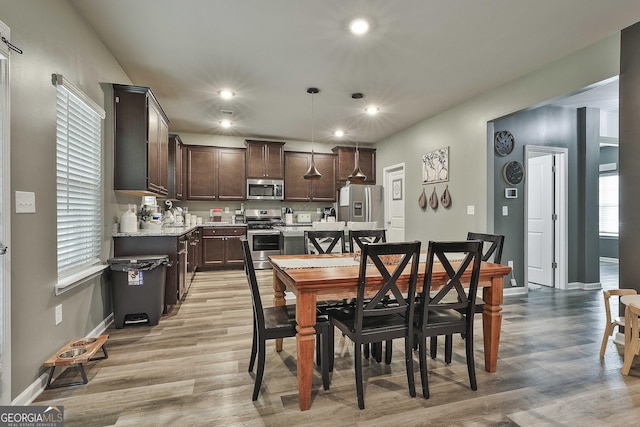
<point x="227" y="113"/>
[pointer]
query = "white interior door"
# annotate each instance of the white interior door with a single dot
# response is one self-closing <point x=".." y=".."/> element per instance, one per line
<point x="5" y="215"/>
<point x="394" y="187"/>
<point x="540" y="200"/>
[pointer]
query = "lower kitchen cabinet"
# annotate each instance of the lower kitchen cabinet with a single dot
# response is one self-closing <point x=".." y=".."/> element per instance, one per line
<point x="195" y="253"/>
<point x="221" y="247"/>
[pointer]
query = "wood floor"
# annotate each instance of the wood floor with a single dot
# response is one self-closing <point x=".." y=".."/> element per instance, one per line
<point x="191" y="370"/>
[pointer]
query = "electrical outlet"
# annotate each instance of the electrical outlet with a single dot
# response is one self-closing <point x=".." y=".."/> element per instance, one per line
<point x="510" y="264"/>
<point x="58" y="314"/>
<point x="471" y="210"/>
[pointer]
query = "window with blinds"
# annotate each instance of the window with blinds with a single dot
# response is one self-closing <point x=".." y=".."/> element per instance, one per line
<point x="608" y="205"/>
<point x="78" y="179"/>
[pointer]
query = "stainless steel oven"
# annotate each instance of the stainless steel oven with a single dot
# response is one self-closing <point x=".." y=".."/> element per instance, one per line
<point x="263" y="239"/>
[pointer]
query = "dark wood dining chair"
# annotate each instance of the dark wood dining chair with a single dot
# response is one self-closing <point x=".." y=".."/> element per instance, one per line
<point x="356" y="239"/>
<point x="271" y="323"/>
<point x="324" y="241"/>
<point x="440" y="315"/>
<point x="372" y="321"/>
<point x="492" y="245"/>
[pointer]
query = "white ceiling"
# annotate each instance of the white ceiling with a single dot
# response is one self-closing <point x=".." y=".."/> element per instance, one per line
<point x="421" y="57"/>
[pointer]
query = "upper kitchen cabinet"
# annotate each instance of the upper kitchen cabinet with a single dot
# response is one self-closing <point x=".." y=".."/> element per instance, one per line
<point x="347" y="159"/>
<point x="176" y="169"/>
<point x="141" y="142"/>
<point x="298" y="189"/>
<point x="265" y="159"/>
<point x="215" y="173"/>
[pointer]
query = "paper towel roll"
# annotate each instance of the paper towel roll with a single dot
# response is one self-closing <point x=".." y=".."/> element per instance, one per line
<point x="288" y="218"/>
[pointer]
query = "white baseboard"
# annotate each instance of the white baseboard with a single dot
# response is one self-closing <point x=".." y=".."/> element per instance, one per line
<point x="585" y="286"/>
<point x="520" y="290"/>
<point x="618" y="338"/>
<point x="37" y="387"/>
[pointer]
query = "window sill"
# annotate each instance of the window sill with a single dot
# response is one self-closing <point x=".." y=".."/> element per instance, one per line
<point x="69" y="282"/>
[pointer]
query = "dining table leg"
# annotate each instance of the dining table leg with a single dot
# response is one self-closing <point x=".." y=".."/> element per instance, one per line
<point x="305" y="345"/>
<point x="492" y="321"/>
<point x="278" y="300"/>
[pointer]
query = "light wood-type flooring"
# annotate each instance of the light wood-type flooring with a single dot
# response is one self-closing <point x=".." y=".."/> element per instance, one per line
<point x="191" y="370"/>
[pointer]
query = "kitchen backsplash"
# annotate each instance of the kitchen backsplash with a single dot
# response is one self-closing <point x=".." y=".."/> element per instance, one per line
<point x="202" y="209"/>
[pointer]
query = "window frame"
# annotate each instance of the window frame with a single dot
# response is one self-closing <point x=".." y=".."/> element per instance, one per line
<point x="79" y="185"/>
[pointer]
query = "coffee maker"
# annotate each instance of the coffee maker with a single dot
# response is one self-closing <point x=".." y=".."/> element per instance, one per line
<point x="329" y="214"/>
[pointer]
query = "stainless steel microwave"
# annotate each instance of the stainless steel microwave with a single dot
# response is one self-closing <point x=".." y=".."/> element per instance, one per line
<point x="265" y="189"/>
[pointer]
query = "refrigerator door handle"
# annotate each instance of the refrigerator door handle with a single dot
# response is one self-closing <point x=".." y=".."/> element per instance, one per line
<point x="367" y="203"/>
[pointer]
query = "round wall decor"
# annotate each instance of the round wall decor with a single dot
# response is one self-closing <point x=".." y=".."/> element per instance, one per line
<point x="513" y="172"/>
<point x="503" y="142"/>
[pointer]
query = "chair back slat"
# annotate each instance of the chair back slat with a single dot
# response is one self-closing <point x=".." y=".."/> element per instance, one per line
<point x="456" y="258"/>
<point x="492" y="244"/>
<point x="250" y="272"/>
<point x="390" y="260"/>
<point x="358" y="237"/>
<point x="329" y="238"/>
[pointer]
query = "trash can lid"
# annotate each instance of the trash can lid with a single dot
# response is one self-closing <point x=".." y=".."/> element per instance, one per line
<point x="137" y="258"/>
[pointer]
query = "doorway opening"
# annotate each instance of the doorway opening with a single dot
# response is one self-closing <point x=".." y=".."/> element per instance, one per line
<point x="546" y="235"/>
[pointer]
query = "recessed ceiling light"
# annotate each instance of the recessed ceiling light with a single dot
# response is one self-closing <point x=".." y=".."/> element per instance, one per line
<point x="226" y="94"/>
<point x="372" y="109"/>
<point x="359" y="26"/>
<point x="225" y="123"/>
<point x="339" y="133"/>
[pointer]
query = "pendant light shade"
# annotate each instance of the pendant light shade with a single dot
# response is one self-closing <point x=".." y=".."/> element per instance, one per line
<point x="357" y="175"/>
<point x="312" y="173"/>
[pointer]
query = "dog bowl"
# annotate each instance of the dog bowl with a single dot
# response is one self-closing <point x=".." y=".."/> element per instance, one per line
<point x="74" y="352"/>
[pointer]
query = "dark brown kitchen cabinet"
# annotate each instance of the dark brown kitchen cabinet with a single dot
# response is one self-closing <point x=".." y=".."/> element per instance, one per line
<point x="265" y="159"/>
<point x="141" y="142"/>
<point x="346" y="163"/>
<point x="215" y="173"/>
<point x="221" y="247"/>
<point x="195" y="253"/>
<point x="176" y="175"/>
<point x="298" y="189"/>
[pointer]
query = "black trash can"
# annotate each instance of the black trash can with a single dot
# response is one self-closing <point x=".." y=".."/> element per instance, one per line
<point x="137" y="284"/>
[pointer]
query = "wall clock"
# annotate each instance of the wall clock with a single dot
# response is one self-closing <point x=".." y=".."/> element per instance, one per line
<point x="513" y="172"/>
<point x="503" y="142"/>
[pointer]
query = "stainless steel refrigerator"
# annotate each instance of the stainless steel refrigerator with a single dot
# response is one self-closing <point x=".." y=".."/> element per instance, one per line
<point x="361" y="203"/>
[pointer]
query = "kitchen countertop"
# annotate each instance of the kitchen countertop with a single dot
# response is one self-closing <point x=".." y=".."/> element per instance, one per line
<point x="293" y="230"/>
<point x="174" y="231"/>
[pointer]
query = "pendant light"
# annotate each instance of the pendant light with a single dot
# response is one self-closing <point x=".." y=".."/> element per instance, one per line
<point x="312" y="173"/>
<point x="357" y="175"/>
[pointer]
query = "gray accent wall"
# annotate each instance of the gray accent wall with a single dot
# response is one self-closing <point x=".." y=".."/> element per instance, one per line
<point x="552" y="126"/>
<point x="629" y="157"/>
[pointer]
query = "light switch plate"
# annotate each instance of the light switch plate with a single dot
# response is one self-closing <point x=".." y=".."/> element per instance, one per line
<point x="505" y="210"/>
<point x="25" y="202"/>
<point x="471" y="210"/>
<point x="58" y="314"/>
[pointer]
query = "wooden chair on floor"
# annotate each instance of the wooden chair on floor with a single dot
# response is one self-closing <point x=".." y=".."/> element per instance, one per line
<point x="492" y="245"/>
<point x="356" y="239"/>
<point x="440" y="316"/>
<point x="324" y="241"/>
<point x="370" y="320"/>
<point x="271" y="323"/>
<point x="631" y="336"/>
<point x="612" y="322"/>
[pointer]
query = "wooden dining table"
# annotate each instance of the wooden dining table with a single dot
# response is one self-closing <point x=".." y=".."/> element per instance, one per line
<point x="323" y="277"/>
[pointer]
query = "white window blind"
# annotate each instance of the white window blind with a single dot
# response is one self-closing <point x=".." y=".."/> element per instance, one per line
<point x="608" y="204"/>
<point x="78" y="179"/>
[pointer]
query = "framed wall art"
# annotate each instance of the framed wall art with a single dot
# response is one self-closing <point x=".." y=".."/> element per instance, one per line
<point x="396" y="186"/>
<point x="435" y="166"/>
